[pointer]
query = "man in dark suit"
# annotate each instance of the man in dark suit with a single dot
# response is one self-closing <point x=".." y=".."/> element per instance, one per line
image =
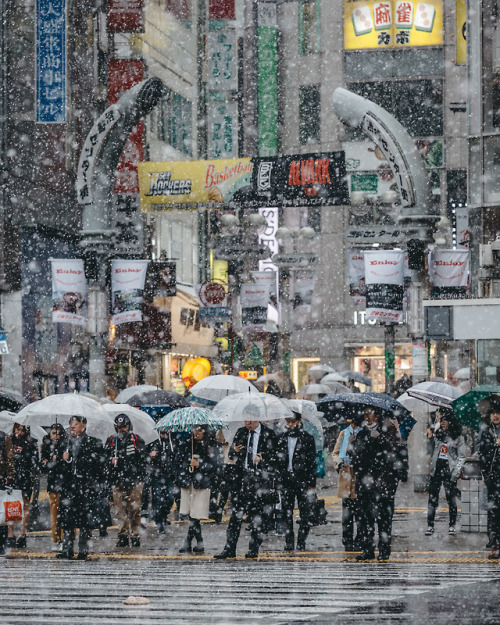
<point x="296" y="455"/>
<point x="254" y="449"/>
<point x="82" y="474"/>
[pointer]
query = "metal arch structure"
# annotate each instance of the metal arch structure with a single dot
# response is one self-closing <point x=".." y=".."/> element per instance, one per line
<point x="418" y="214"/>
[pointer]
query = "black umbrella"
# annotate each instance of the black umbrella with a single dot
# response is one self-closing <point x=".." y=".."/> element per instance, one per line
<point x="336" y="408"/>
<point x="11" y="401"/>
<point x="158" y="397"/>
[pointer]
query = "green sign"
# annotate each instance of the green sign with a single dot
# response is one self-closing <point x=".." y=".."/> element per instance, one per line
<point x="364" y="182"/>
<point x="267" y="61"/>
<point x="286" y="362"/>
<point x="389" y="363"/>
<point x="254" y="357"/>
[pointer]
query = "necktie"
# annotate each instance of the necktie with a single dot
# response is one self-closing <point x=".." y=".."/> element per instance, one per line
<point x="249" y="462"/>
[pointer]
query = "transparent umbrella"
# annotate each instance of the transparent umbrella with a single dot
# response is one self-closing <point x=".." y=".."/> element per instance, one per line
<point x="129" y="392"/>
<point x="62" y="407"/>
<point x="7" y="420"/>
<point x="212" y="389"/>
<point x="142" y="424"/>
<point x="317" y="372"/>
<point x="313" y="391"/>
<point x="256" y="407"/>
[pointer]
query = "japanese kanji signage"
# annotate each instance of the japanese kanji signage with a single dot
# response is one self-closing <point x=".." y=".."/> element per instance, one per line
<point x="392" y="23"/>
<point x="222" y="60"/>
<point x="222" y="129"/>
<point x="51" y="61"/>
<point x="267" y="60"/>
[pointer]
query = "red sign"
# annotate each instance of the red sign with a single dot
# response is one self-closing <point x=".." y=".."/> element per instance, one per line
<point x="221" y="10"/>
<point x="125" y="16"/>
<point x="123" y="75"/>
<point x="212" y="293"/>
<point x="180" y="8"/>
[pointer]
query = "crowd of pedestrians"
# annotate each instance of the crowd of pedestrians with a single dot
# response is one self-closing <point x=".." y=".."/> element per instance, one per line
<point x="264" y="472"/>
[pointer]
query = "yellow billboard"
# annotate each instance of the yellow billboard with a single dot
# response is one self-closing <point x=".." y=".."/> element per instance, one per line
<point x="190" y="184"/>
<point x="460" y="37"/>
<point x="392" y="23"/>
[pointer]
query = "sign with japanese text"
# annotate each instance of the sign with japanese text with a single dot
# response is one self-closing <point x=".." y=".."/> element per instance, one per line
<point x="254" y="300"/>
<point x="222" y="129"/>
<point x="123" y="75"/>
<point x="127" y="289"/>
<point x="69" y="291"/>
<point x="384" y="276"/>
<point x="51" y="61"/>
<point x="90" y="152"/>
<point x="268" y="238"/>
<point x="461" y="31"/>
<point x="125" y="16"/>
<point x="222" y="53"/>
<point x="267" y="72"/>
<point x="392" y="23"/>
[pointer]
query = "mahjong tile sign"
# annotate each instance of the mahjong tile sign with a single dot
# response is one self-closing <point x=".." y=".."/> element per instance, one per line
<point x="392" y="23"/>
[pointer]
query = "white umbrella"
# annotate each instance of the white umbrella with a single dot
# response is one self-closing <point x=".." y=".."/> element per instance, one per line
<point x="129" y="392"/>
<point x="417" y="406"/>
<point x="100" y="400"/>
<point x="264" y="407"/>
<point x="311" y="417"/>
<point x="317" y="372"/>
<point x="462" y="374"/>
<point x="334" y="377"/>
<point x="337" y="388"/>
<point x="62" y="407"/>
<point x="7" y="420"/>
<point x="142" y="424"/>
<point x="435" y="393"/>
<point x="214" y="388"/>
<point x="313" y="391"/>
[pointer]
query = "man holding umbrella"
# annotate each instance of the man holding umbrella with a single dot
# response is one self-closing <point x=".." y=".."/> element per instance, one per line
<point x="254" y="449"/>
<point x="296" y="455"/>
<point x="489" y="460"/>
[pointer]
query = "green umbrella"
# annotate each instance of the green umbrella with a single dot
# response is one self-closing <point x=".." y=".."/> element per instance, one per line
<point x="472" y="408"/>
<point x="184" y="419"/>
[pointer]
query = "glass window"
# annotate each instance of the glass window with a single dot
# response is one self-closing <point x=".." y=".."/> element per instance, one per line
<point x="309" y="27"/>
<point x="491" y="167"/>
<point x="175" y="118"/>
<point x="491" y="65"/>
<point x="309" y="114"/>
<point x="377" y="64"/>
<point x="488" y="361"/>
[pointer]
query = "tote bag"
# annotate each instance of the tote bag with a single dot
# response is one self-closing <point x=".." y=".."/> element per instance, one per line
<point x="11" y="507"/>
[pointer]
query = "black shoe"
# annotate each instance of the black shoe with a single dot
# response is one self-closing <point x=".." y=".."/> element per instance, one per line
<point x="350" y="547"/>
<point x="11" y="542"/>
<point x="65" y="555"/>
<point x="251" y="555"/>
<point x="289" y="548"/>
<point x="21" y="541"/>
<point x="122" y="541"/>
<point x="382" y="557"/>
<point x="83" y="555"/>
<point x="489" y="544"/>
<point x="301" y="546"/>
<point x="225" y="554"/>
<point x="103" y="532"/>
<point x="161" y="528"/>
<point x="186" y="548"/>
<point x="199" y="548"/>
<point x="217" y="517"/>
<point x="366" y="555"/>
<point x="136" y="542"/>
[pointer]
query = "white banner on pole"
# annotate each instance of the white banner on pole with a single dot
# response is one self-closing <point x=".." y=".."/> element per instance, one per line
<point x="127" y="289"/>
<point x="449" y="268"/>
<point x="384" y="275"/>
<point x="254" y="300"/>
<point x="69" y="291"/>
<point x="356" y="271"/>
<point x="303" y="290"/>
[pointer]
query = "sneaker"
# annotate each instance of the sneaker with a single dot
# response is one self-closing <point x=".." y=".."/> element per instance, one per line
<point x="429" y="531"/>
<point x="452" y="530"/>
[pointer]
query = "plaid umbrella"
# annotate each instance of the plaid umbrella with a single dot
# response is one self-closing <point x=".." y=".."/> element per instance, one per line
<point x="184" y="419"/>
<point x="472" y="408"/>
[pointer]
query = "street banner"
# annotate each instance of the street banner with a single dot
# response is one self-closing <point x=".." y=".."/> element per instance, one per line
<point x="303" y="290"/>
<point x="69" y="291"/>
<point x="127" y="289"/>
<point x="462" y="227"/>
<point x="267" y="277"/>
<point x="268" y="237"/>
<point x="356" y="272"/>
<point x="384" y="275"/>
<point x="449" y="269"/>
<point x="254" y="299"/>
<point x="50" y="61"/>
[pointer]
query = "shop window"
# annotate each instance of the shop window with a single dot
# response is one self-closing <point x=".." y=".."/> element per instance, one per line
<point x="185" y="314"/>
<point x="309" y="114"/>
<point x="491" y="64"/>
<point x="174" y="122"/>
<point x="309" y="26"/>
<point x="491" y="167"/>
<point x="197" y="321"/>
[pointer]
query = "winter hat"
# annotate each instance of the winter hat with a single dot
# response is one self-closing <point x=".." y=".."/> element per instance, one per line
<point x="122" y="420"/>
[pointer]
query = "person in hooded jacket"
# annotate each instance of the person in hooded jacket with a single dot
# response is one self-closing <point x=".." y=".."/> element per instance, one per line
<point x="197" y="462"/>
<point x="376" y="454"/>
<point x="489" y="461"/>
<point x="447" y="459"/>
<point x="296" y="465"/>
<point x="125" y="469"/>
<point x="26" y="459"/>
<point x="53" y="446"/>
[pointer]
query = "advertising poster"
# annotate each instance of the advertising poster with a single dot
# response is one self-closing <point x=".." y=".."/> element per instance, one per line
<point x="127" y="289"/>
<point x="356" y="272"/>
<point x="254" y="300"/>
<point x="392" y="23"/>
<point x="384" y="275"/>
<point x="69" y="291"/>
<point x="449" y="270"/>
<point x="303" y="291"/>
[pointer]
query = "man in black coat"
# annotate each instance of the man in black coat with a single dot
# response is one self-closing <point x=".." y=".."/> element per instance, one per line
<point x="254" y="449"/>
<point x="125" y="471"/>
<point x="296" y="454"/>
<point x="82" y="474"/>
<point x="161" y="469"/>
<point x="378" y="464"/>
<point x="489" y="461"/>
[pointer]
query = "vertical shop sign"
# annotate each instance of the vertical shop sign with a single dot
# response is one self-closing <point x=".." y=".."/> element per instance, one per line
<point x="69" y="291"/>
<point x="127" y="289"/>
<point x="267" y="61"/>
<point x="268" y="237"/>
<point x="254" y="300"/>
<point x="356" y="271"/>
<point x="384" y="275"/>
<point x="51" y="61"/>
<point x="461" y="31"/>
<point x="462" y="227"/>
<point x="125" y="16"/>
<point x="222" y="60"/>
<point x="222" y="129"/>
<point x="123" y="75"/>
